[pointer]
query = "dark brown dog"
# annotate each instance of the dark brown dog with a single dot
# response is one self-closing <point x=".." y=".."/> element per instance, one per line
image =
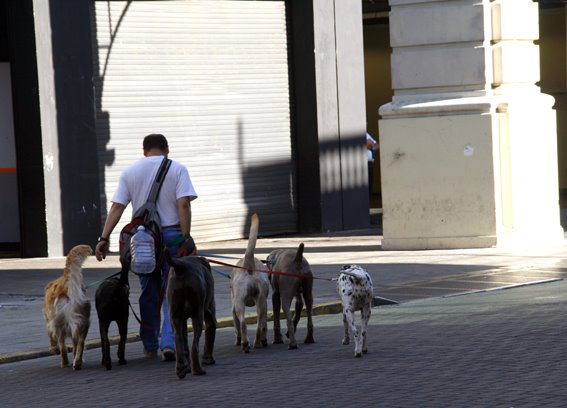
<point x="190" y="294"/>
<point x="111" y="301"/>
<point x="285" y="288"/>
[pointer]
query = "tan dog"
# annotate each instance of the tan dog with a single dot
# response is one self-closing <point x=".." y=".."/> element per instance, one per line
<point x="285" y="288"/>
<point x="248" y="288"/>
<point x="67" y="309"/>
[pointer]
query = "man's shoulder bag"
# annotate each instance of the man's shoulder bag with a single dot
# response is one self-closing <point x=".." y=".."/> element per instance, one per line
<point x="148" y="217"/>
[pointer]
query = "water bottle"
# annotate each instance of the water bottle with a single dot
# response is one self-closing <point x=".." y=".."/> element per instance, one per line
<point x="143" y="253"/>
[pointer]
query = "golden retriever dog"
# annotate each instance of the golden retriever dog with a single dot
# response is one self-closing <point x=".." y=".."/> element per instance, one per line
<point x="67" y="309"/>
<point x="249" y="288"/>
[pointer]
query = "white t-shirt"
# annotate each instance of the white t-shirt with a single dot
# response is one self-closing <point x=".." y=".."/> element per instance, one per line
<point x="369" y="152"/>
<point x="136" y="182"/>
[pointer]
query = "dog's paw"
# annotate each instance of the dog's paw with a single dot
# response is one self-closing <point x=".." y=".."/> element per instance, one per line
<point x="246" y="347"/>
<point x="108" y="366"/>
<point x="292" y="347"/>
<point x="198" y="371"/>
<point x="357" y="355"/>
<point x="261" y="344"/>
<point x="181" y="374"/>
<point x="277" y="339"/>
<point x="208" y="360"/>
<point x="181" y="371"/>
<point x="309" y="340"/>
<point x="346" y="341"/>
<point x="122" y="362"/>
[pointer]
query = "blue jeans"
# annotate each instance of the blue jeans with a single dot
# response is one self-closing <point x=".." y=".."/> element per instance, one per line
<point x="149" y="298"/>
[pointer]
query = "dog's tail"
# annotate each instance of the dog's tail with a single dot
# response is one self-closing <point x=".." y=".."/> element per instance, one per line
<point x="123" y="277"/>
<point x="170" y="259"/>
<point x="354" y="277"/>
<point x="74" y="272"/>
<point x="176" y="262"/>
<point x="252" y="237"/>
<point x="76" y="258"/>
<point x="299" y="256"/>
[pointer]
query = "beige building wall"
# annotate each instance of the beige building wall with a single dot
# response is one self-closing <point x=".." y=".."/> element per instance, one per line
<point x="469" y="142"/>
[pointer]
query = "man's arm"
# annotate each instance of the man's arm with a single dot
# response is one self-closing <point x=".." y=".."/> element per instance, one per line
<point x="114" y="214"/>
<point x="188" y="247"/>
<point x="184" y="210"/>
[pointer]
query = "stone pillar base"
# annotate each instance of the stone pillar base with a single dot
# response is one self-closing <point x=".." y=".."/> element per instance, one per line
<point x="469" y="173"/>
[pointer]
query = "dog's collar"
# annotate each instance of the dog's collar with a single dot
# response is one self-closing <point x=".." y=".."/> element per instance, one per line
<point x="269" y="262"/>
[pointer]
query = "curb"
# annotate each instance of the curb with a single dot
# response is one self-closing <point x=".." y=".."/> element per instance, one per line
<point x="324" y="308"/>
<point x="515" y="286"/>
<point x="224" y="322"/>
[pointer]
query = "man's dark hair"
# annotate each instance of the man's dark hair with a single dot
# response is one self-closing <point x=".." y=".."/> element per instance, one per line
<point x="155" y="140"/>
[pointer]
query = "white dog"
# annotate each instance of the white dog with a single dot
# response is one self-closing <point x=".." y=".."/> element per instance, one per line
<point x="250" y="288"/>
<point x="355" y="289"/>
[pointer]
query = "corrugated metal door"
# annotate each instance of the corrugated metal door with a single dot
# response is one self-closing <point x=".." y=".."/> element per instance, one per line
<point x="212" y="76"/>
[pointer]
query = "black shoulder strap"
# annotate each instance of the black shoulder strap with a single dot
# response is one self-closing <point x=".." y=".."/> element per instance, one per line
<point x="160" y="176"/>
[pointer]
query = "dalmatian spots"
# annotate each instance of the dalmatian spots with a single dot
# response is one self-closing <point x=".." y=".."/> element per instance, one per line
<point x="354" y="286"/>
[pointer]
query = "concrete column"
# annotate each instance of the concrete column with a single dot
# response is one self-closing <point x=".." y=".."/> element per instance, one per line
<point x="329" y="114"/>
<point x="66" y="99"/>
<point x="48" y="115"/>
<point x="468" y="143"/>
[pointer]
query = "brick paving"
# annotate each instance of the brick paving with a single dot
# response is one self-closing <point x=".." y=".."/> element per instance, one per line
<point x="437" y="348"/>
<point x="502" y="348"/>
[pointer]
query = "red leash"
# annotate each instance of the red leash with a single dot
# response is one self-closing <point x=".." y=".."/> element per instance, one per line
<point x="294" y="275"/>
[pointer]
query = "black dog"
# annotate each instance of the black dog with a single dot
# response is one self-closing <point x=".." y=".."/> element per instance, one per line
<point x="190" y="294"/>
<point x="111" y="300"/>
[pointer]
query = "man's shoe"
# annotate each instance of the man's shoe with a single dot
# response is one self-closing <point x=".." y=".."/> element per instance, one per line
<point x="168" y="355"/>
<point x="150" y="354"/>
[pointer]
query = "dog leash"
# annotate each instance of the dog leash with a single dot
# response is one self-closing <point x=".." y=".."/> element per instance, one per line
<point x="217" y="270"/>
<point x="146" y="326"/>
<point x="205" y="254"/>
<point x="294" y="275"/>
<point x="129" y="304"/>
<point x="100" y="280"/>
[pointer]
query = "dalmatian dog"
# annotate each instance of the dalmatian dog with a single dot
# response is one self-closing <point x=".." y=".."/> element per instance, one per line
<point x="355" y="290"/>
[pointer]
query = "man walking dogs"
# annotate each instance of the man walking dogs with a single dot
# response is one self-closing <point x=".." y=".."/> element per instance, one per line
<point x="174" y="208"/>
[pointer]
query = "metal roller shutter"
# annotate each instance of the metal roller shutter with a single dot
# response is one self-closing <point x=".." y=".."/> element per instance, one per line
<point x="212" y="76"/>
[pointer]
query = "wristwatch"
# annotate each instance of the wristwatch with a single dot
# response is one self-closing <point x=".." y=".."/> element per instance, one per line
<point x="102" y="239"/>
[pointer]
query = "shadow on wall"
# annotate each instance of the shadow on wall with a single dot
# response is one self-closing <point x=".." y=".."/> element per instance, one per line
<point x="268" y="190"/>
<point x="337" y="181"/>
<point x="106" y="156"/>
